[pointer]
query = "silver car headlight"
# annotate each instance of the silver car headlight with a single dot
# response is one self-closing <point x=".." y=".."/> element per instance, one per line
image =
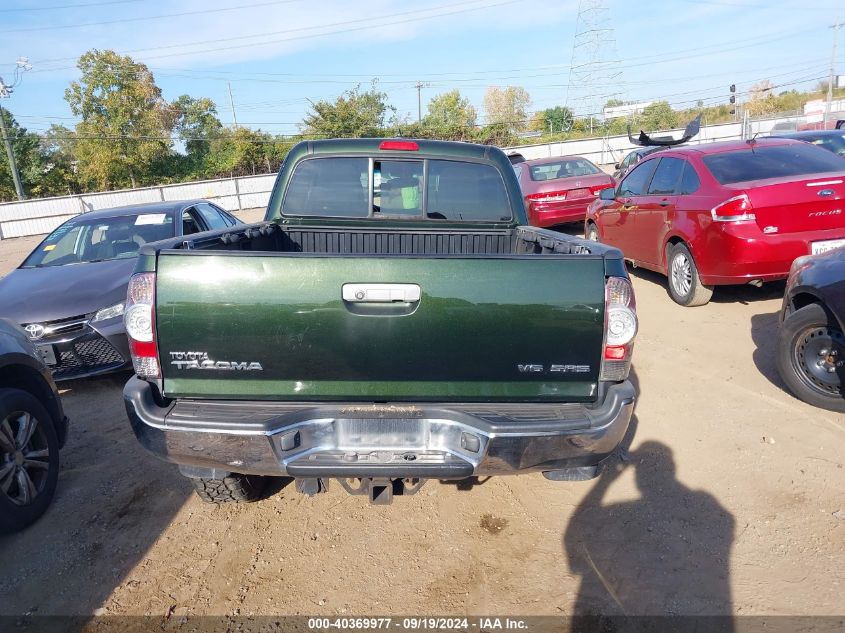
<point x="108" y="313"/>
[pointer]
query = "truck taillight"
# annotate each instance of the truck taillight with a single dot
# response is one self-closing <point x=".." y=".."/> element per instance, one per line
<point x="620" y="310"/>
<point x="736" y="209"/>
<point x="139" y="319"/>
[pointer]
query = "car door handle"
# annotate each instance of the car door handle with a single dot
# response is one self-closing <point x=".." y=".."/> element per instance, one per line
<point x="665" y="203"/>
<point x="381" y="293"/>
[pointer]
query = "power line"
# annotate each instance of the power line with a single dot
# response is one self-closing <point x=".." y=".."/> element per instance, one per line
<point x="300" y="29"/>
<point x="282" y="137"/>
<point x="701" y="94"/>
<point x="411" y="75"/>
<point x="56" y="27"/>
<point x="69" y="6"/>
<point x="751" y="5"/>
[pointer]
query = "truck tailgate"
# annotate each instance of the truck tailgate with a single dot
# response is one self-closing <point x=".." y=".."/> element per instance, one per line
<point x="277" y="326"/>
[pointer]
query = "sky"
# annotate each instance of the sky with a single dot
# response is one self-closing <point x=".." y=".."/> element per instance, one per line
<point x="279" y="56"/>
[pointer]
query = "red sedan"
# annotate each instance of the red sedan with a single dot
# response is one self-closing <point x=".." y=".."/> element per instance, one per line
<point x="559" y="190"/>
<point x="724" y="213"/>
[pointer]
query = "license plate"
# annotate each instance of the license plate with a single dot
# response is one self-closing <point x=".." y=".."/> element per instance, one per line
<point x="579" y="193"/>
<point x="826" y="245"/>
<point x="47" y="353"/>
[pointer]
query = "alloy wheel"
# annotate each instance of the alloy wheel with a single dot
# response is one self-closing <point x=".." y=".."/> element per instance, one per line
<point x="681" y="274"/>
<point x="24" y="458"/>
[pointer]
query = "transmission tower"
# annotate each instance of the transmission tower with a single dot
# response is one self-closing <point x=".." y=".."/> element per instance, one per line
<point x="594" y="72"/>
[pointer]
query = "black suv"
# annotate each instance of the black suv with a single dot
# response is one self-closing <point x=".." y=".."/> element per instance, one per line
<point x="33" y="428"/>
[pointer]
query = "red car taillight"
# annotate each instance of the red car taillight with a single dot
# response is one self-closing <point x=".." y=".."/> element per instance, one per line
<point x="547" y="196"/>
<point x="736" y="209"/>
<point x="620" y="329"/>
<point x="139" y="319"/>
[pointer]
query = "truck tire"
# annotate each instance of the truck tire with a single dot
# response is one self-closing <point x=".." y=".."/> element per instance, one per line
<point x="811" y="344"/>
<point x="234" y="488"/>
<point x="29" y="461"/>
<point x="685" y="285"/>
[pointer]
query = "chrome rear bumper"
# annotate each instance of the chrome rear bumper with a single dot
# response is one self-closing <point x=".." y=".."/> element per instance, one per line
<point x="425" y="440"/>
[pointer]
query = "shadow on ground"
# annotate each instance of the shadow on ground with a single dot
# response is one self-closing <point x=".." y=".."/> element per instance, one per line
<point x="744" y="294"/>
<point x="113" y="502"/>
<point x="764" y="333"/>
<point x="666" y="553"/>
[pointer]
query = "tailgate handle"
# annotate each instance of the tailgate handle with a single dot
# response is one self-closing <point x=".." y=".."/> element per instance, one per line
<point x="381" y="293"/>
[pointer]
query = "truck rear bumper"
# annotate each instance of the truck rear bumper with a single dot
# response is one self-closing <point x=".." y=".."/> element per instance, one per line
<point x="425" y="440"/>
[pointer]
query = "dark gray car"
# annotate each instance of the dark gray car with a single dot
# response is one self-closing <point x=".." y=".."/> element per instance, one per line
<point x="33" y="428"/>
<point x="69" y="293"/>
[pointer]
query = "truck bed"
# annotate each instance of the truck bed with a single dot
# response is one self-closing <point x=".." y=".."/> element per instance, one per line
<point x="271" y="237"/>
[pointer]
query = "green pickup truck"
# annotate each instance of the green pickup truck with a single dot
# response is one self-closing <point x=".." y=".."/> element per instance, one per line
<point x="391" y="321"/>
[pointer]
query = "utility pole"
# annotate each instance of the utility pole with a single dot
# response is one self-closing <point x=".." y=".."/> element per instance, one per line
<point x="13" y="167"/>
<point x="832" y="77"/>
<point x="232" y="103"/>
<point x="22" y="65"/>
<point x="419" y="86"/>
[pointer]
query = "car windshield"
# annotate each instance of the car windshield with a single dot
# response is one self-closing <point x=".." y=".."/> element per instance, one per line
<point x="566" y="168"/>
<point x="82" y="239"/>
<point x="779" y="161"/>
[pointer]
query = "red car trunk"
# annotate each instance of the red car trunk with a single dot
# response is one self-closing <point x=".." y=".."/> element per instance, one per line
<point x="791" y="206"/>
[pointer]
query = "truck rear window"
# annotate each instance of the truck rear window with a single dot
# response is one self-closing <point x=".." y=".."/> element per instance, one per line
<point x="347" y="187"/>
<point x="779" y="161"/>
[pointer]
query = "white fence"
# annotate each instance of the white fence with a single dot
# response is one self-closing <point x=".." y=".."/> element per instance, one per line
<point x="610" y="150"/>
<point x="34" y="217"/>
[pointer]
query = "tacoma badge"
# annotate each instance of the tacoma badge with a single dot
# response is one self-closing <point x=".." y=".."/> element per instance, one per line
<point x="200" y="360"/>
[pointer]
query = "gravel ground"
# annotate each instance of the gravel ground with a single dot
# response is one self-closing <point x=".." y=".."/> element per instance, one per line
<point x="730" y="501"/>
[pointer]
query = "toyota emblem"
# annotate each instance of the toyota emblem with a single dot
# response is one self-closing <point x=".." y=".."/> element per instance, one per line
<point x="35" y="331"/>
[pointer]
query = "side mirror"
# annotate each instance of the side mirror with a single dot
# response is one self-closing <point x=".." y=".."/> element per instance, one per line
<point x="607" y="194"/>
<point x="618" y="165"/>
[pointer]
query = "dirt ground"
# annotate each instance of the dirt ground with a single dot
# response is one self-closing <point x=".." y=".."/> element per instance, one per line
<point x="730" y="501"/>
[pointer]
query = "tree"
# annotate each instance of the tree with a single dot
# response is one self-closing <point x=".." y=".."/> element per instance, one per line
<point x="658" y="116"/>
<point x="499" y="134"/>
<point x="449" y="110"/>
<point x="126" y="125"/>
<point x="196" y="123"/>
<point x="554" y="120"/>
<point x="29" y="158"/>
<point x="614" y="103"/>
<point x="244" y="152"/>
<point x="353" y="114"/>
<point x="762" y="99"/>
<point x="58" y="177"/>
<point x="508" y="106"/>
